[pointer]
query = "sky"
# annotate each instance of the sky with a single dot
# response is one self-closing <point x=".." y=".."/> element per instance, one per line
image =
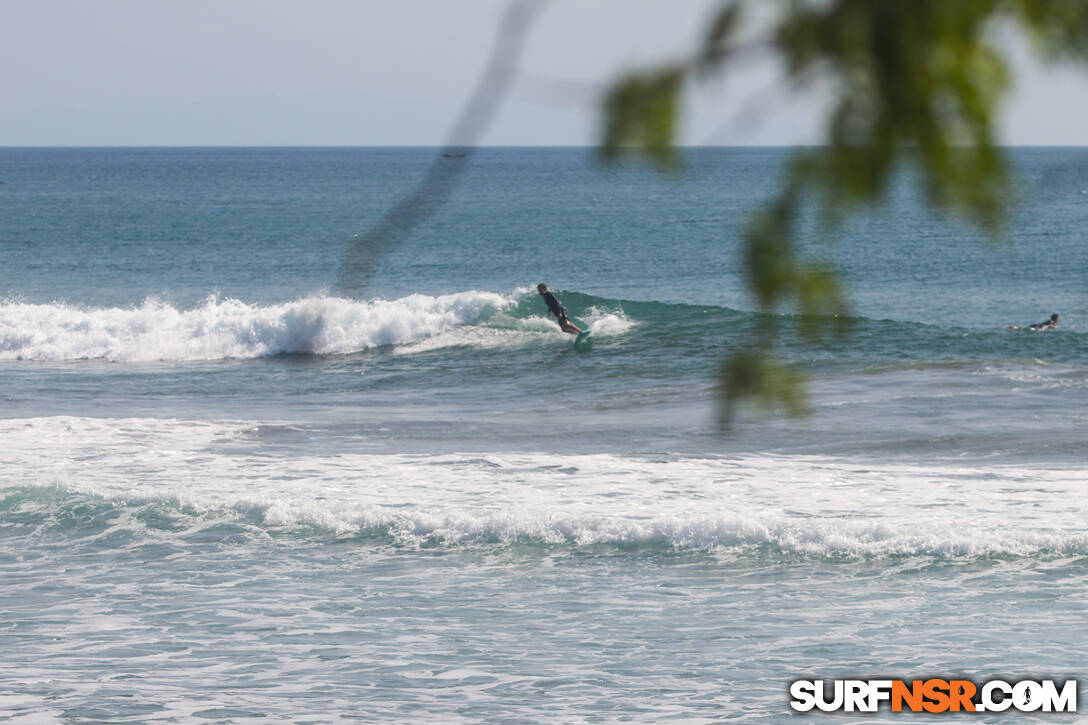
<point x="397" y="72"/>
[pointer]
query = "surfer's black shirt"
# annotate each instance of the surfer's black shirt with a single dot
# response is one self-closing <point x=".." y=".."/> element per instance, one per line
<point x="554" y="305"/>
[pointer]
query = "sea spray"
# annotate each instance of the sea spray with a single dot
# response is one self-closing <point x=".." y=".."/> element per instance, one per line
<point x="228" y="328"/>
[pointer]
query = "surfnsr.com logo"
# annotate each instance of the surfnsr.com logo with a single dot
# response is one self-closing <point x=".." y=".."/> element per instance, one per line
<point x="933" y="695"/>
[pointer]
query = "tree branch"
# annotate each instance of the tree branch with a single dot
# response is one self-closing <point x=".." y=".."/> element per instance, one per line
<point x="367" y="248"/>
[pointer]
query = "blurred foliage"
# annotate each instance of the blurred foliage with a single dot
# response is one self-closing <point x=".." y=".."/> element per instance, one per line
<point x="640" y="112"/>
<point x="916" y="84"/>
<point x="752" y="374"/>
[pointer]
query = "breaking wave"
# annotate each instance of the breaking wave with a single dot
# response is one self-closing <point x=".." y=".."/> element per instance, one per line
<point x="227" y="328"/>
<point x="114" y="479"/>
<point x="62" y="514"/>
<point x="223" y="329"/>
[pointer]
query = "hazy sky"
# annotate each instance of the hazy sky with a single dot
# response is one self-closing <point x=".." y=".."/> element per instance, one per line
<point x="391" y="72"/>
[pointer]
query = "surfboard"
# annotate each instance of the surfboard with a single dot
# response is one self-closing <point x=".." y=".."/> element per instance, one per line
<point x="582" y="336"/>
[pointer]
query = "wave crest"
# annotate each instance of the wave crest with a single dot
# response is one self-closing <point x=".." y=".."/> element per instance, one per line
<point x="60" y="512"/>
<point x="228" y="328"/>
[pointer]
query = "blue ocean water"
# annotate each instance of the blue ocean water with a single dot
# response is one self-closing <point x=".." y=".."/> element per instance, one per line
<point x="228" y="494"/>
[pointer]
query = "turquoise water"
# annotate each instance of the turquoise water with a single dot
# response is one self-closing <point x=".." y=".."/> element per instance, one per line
<point x="229" y="495"/>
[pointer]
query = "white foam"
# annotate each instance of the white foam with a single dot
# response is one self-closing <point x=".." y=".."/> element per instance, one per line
<point x="604" y="322"/>
<point x="803" y="505"/>
<point x="228" y="328"/>
<point x="506" y="332"/>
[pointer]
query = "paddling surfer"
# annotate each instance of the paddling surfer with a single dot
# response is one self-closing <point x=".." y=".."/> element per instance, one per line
<point x="1047" y="325"/>
<point x="1044" y="325"/>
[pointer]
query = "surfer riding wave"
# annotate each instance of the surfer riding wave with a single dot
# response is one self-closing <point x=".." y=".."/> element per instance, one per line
<point x="556" y="308"/>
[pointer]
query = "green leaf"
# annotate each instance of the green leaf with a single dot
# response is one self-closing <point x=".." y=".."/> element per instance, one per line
<point x="640" y="116"/>
<point x="769" y="257"/>
<point x="820" y="302"/>
<point x="755" y="375"/>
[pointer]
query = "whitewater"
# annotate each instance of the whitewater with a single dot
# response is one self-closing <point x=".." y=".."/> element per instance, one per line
<point x="210" y="472"/>
<point x="222" y="329"/>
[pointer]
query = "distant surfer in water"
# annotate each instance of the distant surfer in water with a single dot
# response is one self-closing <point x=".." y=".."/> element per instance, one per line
<point x="1048" y="325"/>
<point x="1045" y="325"/>
<point x="555" y="307"/>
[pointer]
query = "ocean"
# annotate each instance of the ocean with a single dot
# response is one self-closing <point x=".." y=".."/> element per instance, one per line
<point x="230" y="494"/>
